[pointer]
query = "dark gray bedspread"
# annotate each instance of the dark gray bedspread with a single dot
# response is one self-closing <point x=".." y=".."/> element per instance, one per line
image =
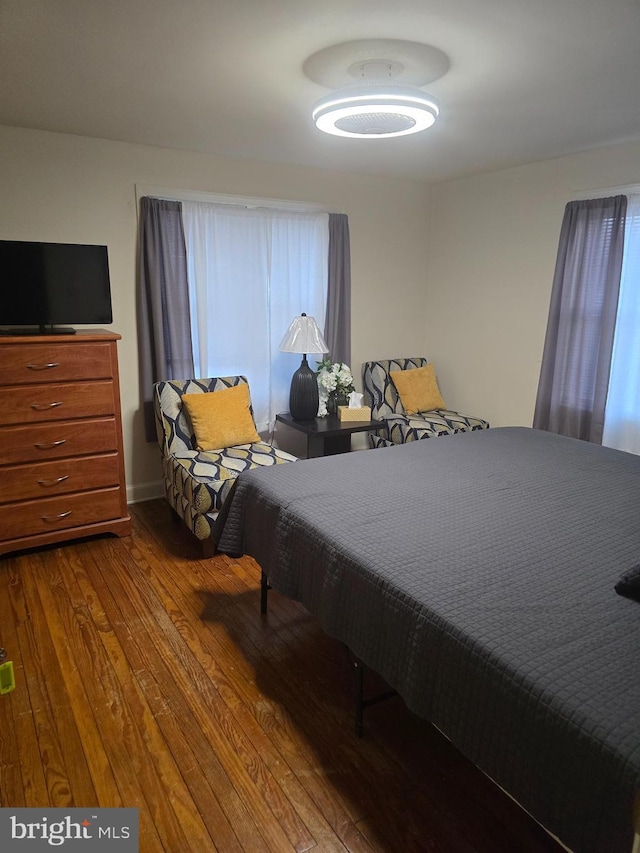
<point x="476" y="573"/>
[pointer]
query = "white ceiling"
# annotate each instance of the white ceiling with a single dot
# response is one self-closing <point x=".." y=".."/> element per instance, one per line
<point x="528" y="79"/>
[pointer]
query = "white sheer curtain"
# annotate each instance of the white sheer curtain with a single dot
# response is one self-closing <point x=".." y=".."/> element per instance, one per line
<point x="250" y="272"/>
<point x="622" y="413"/>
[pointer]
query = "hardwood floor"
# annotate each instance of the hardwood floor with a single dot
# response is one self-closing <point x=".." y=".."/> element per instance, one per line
<point x="146" y="677"/>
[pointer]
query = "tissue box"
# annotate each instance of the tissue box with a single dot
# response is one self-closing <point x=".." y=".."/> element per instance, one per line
<point x="361" y="414"/>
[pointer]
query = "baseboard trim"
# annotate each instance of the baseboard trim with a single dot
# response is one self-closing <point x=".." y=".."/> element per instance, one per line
<point x="145" y="492"/>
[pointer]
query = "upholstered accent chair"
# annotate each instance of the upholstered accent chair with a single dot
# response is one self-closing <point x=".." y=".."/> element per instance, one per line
<point x="197" y="482"/>
<point x="380" y="393"/>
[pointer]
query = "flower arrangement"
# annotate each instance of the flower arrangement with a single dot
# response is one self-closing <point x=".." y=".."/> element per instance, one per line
<point x="335" y="383"/>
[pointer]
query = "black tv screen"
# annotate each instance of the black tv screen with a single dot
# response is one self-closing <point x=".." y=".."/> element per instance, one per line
<point x="48" y="284"/>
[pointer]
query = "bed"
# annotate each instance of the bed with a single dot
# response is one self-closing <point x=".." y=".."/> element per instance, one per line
<point x="476" y="574"/>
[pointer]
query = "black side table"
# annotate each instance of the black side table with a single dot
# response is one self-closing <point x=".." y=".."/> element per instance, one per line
<point x="328" y="436"/>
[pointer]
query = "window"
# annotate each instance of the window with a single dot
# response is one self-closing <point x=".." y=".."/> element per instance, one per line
<point x="219" y="281"/>
<point x="574" y="375"/>
<point x="622" y="412"/>
<point x="250" y="271"/>
<point x="590" y="375"/>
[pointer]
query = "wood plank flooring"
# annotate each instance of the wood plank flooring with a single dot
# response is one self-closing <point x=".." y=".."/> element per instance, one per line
<point x="146" y="677"/>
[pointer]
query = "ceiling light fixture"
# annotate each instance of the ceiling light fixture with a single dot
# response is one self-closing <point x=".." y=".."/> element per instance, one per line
<point x="375" y="111"/>
<point x="374" y="96"/>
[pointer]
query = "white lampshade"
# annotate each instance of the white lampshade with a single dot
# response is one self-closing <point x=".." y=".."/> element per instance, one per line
<point x="303" y="336"/>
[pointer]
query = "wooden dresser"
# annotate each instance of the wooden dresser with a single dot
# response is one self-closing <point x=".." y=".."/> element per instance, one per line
<point x="61" y="458"/>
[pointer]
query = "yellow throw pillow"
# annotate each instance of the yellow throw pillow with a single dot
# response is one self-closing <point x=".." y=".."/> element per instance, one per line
<point x="418" y="389"/>
<point x="221" y="418"/>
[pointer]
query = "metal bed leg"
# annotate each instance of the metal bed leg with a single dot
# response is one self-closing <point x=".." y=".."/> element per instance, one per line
<point x="636" y="824"/>
<point x="264" y="589"/>
<point x="360" y="702"/>
<point x="359" y="696"/>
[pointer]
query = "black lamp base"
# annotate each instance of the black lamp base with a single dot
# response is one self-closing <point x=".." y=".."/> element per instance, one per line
<point x="303" y="397"/>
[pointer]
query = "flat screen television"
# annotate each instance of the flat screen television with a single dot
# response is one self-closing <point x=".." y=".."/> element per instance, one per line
<point x="44" y="285"/>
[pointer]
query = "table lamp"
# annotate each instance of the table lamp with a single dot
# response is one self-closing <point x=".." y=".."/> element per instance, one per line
<point x="303" y="336"/>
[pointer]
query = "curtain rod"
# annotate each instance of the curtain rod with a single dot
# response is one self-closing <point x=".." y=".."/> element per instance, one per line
<point x="238" y="201"/>
<point x="603" y="192"/>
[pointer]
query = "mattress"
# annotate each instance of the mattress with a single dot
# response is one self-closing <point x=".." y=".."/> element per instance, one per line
<point x="476" y="574"/>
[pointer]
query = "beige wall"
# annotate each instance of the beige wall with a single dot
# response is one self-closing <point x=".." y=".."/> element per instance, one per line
<point x="493" y="241"/>
<point x="56" y="187"/>
<point x="460" y="271"/>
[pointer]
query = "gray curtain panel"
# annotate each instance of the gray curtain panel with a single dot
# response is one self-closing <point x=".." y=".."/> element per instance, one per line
<point x="574" y="376"/>
<point x="337" y="327"/>
<point x="164" y="328"/>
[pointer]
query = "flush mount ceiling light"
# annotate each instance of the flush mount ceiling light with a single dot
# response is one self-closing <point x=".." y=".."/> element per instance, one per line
<point x="377" y="97"/>
<point x="375" y="111"/>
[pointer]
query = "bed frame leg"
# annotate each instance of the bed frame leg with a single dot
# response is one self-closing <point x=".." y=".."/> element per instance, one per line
<point x="264" y="589"/>
<point x="636" y="824"/>
<point x="360" y="702"/>
<point x="359" y="696"/>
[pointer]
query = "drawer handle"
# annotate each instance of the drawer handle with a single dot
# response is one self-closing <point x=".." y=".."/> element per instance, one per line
<point x="56" y="517"/>
<point x="54" y="481"/>
<point x="42" y="446"/>
<point x="43" y="366"/>
<point x="42" y="407"/>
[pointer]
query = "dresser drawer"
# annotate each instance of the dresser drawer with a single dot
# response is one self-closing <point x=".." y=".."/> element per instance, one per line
<point x="42" y="516"/>
<point x="46" y="479"/>
<point x="39" y="442"/>
<point x="30" y="404"/>
<point x="22" y="364"/>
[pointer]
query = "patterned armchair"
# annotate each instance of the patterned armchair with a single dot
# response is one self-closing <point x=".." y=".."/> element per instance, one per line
<point x="197" y="482"/>
<point x="380" y="393"/>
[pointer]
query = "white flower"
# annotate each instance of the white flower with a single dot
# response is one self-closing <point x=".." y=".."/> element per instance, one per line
<point x="344" y="375"/>
<point x="327" y="380"/>
<point x="333" y="378"/>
